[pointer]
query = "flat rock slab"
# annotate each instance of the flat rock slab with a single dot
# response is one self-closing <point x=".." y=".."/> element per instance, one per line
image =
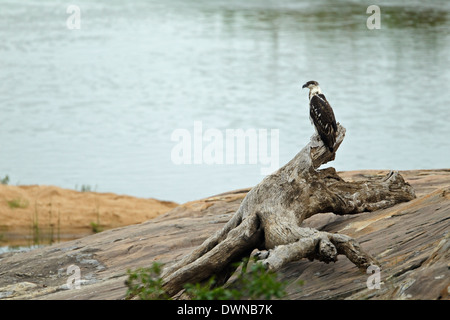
<point x="410" y="240"/>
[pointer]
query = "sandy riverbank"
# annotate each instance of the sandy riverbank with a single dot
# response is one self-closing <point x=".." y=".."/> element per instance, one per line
<point x="44" y="214"/>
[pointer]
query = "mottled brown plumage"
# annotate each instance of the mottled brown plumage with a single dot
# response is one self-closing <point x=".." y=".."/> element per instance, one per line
<point x="321" y="115"/>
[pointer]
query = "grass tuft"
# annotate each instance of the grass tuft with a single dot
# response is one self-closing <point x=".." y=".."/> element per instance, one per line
<point x="18" y="203"/>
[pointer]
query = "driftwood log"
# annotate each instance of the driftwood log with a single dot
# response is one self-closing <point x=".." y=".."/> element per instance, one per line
<point x="269" y="219"/>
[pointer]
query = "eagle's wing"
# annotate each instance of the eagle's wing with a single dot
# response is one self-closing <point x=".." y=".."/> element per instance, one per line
<point x="324" y="120"/>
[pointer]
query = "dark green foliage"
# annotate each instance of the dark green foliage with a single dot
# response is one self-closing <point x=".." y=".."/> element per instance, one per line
<point x="207" y="292"/>
<point x="5" y="180"/>
<point x="251" y="282"/>
<point x="146" y="283"/>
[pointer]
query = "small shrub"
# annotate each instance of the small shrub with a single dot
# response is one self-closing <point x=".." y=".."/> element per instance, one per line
<point x="86" y="188"/>
<point x="207" y="292"/>
<point x="18" y="203"/>
<point x="260" y="283"/>
<point x="5" y="180"/>
<point x="96" y="227"/>
<point x="146" y="283"/>
<point x="255" y="283"/>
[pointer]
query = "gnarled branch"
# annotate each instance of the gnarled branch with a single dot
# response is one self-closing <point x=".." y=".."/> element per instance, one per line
<point x="270" y="215"/>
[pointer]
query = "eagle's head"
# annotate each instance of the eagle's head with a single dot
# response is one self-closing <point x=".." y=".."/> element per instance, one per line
<point x="311" y="85"/>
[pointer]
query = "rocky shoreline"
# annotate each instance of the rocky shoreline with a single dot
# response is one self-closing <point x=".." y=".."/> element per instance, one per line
<point x="411" y="241"/>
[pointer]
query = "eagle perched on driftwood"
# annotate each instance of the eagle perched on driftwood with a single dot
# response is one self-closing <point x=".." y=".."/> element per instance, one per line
<point x="321" y="115"/>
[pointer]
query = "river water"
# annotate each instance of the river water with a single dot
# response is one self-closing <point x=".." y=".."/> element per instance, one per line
<point x="98" y="106"/>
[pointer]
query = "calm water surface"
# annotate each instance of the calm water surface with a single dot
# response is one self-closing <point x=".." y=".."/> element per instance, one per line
<point x="97" y="106"/>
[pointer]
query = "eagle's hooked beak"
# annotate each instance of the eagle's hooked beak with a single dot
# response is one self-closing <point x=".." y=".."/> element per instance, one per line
<point x="304" y="86"/>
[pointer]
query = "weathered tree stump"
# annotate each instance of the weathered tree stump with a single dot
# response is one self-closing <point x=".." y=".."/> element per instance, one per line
<point x="269" y="217"/>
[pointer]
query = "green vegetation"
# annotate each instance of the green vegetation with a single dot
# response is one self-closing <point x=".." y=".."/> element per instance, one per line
<point x="146" y="283"/>
<point x="35" y="225"/>
<point x="96" y="227"/>
<point x="42" y="230"/>
<point x="253" y="282"/>
<point x="18" y="203"/>
<point x="4" y="180"/>
<point x="85" y="188"/>
<point x="51" y="225"/>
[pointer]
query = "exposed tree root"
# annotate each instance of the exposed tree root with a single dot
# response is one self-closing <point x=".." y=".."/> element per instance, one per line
<point x="270" y="215"/>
